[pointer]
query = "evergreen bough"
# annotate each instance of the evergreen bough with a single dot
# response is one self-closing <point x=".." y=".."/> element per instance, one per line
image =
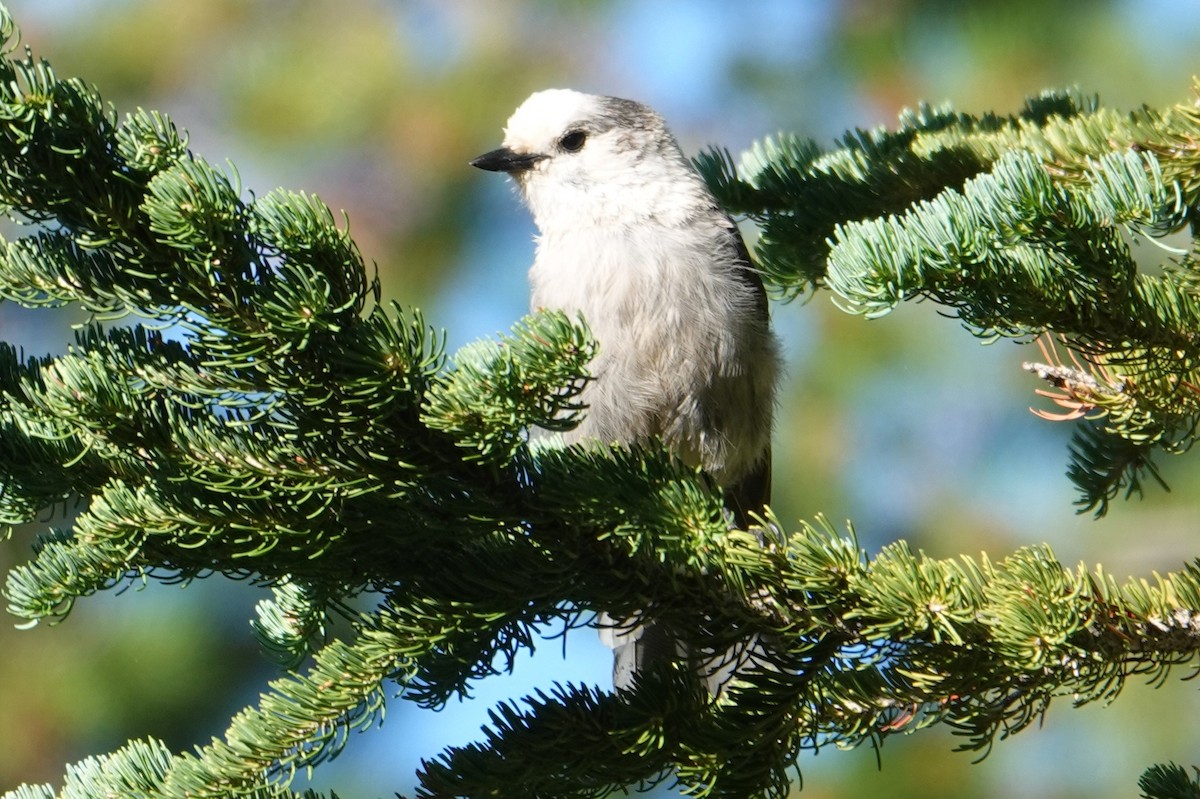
<point x="265" y="417"/>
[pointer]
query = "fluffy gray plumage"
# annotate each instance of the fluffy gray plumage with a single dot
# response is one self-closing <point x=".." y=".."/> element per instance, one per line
<point x="631" y="238"/>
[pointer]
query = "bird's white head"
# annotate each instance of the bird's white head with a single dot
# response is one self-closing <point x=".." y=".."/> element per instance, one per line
<point x="600" y="157"/>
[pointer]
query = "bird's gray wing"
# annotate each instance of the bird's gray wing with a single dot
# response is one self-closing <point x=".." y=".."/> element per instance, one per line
<point x="636" y="646"/>
<point x="752" y="493"/>
<point x="747" y="273"/>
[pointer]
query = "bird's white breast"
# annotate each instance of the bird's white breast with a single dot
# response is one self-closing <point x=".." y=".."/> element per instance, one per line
<point x="677" y="332"/>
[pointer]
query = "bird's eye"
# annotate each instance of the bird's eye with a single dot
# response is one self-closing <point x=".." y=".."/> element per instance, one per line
<point x="573" y="141"/>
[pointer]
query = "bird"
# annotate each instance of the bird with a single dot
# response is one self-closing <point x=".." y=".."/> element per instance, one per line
<point x="632" y="239"/>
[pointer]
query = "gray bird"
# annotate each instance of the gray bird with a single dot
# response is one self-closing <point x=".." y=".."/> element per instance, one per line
<point x="631" y="238"/>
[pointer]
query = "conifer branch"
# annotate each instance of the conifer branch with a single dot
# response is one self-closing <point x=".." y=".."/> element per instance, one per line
<point x="1018" y="226"/>
<point x="876" y="648"/>
<point x="1169" y="781"/>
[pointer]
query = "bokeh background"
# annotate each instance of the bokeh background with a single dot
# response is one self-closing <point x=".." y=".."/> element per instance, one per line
<point x="905" y="425"/>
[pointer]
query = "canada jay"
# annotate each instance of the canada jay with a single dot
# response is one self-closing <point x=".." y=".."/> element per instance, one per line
<point x="631" y="238"/>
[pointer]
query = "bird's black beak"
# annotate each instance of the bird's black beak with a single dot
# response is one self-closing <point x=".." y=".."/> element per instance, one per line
<point x="506" y="160"/>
